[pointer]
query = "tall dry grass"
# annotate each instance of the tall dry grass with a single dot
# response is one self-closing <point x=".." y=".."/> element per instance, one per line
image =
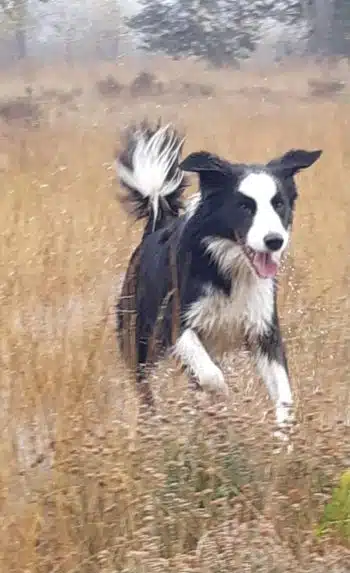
<point x="86" y="487"/>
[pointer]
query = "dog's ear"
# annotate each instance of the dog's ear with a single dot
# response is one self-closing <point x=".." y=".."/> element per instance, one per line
<point x="214" y="173"/>
<point x="202" y="161"/>
<point x="293" y="161"/>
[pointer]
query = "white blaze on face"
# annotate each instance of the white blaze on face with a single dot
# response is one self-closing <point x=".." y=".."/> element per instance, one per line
<point x="261" y="187"/>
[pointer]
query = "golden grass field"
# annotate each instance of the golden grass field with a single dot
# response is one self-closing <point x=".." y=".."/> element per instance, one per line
<point x="84" y="486"/>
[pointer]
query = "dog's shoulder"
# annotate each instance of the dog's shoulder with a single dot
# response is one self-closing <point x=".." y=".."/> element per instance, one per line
<point x="157" y="260"/>
<point x="197" y="267"/>
<point x="165" y="237"/>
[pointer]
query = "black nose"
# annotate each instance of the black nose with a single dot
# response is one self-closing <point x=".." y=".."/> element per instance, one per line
<point x="273" y="241"/>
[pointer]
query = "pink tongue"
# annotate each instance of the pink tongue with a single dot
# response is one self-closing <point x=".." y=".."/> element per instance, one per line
<point x="264" y="266"/>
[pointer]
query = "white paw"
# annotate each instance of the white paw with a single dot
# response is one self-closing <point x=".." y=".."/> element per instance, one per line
<point x="283" y="443"/>
<point x="285" y="420"/>
<point x="212" y="380"/>
<point x="284" y="415"/>
<point x="282" y="434"/>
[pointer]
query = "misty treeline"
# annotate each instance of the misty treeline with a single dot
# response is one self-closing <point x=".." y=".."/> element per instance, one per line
<point x="68" y="28"/>
<point x="225" y="31"/>
<point x="219" y="31"/>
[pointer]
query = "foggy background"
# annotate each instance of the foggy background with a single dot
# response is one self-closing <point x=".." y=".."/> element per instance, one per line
<point x="221" y="32"/>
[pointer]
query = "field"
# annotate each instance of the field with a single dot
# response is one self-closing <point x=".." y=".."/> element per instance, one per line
<point x="84" y="485"/>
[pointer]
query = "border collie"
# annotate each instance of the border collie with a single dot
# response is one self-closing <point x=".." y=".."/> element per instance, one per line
<point x="203" y="278"/>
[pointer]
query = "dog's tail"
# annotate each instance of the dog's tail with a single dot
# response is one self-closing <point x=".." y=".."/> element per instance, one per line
<point x="148" y="169"/>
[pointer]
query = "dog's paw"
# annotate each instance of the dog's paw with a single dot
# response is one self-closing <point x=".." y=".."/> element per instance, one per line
<point x="284" y="416"/>
<point x="283" y="442"/>
<point x="285" y="422"/>
<point x="212" y="380"/>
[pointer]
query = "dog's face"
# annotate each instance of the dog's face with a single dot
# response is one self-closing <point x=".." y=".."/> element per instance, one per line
<point x="264" y="216"/>
<point x="248" y="209"/>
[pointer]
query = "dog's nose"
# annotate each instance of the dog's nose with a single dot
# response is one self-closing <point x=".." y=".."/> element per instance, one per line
<point x="273" y="241"/>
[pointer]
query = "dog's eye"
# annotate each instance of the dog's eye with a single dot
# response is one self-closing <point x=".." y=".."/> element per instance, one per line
<point x="246" y="208"/>
<point x="279" y="205"/>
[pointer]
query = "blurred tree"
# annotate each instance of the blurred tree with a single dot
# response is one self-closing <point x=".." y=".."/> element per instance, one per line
<point x="73" y="28"/>
<point x="320" y="14"/>
<point x="340" y="33"/>
<point x="329" y="26"/>
<point x="15" y="14"/>
<point x="220" y="31"/>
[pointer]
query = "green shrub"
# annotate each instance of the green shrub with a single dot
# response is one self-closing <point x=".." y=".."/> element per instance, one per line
<point x="336" y="515"/>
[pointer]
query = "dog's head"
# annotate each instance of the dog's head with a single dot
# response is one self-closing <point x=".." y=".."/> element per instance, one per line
<point x="247" y="210"/>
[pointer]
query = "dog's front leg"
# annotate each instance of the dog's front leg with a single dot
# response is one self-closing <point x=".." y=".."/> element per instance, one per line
<point x="190" y="350"/>
<point x="269" y="354"/>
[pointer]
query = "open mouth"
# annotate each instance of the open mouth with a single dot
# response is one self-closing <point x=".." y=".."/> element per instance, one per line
<point x="261" y="262"/>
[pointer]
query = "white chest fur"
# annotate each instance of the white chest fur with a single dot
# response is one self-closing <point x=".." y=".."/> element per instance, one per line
<point x="223" y="320"/>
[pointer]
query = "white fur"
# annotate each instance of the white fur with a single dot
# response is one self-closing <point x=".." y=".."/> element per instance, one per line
<point x="222" y="321"/>
<point x="151" y="165"/>
<point x="228" y="256"/>
<point x="276" y="380"/>
<point x="251" y="302"/>
<point x="262" y="187"/>
<point x="248" y="310"/>
<point x="192" y="353"/>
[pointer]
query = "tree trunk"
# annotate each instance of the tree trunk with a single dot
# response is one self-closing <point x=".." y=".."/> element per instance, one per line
<point x="20" y="19"/>
<point x="323" y="26"/>
<point x="21" y="42"/>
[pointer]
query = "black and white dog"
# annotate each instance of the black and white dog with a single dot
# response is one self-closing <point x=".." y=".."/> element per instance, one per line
<point x="204" y="279"/>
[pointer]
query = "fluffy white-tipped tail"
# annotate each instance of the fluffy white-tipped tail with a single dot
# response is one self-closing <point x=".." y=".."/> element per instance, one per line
<point x="148" y="167"/>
